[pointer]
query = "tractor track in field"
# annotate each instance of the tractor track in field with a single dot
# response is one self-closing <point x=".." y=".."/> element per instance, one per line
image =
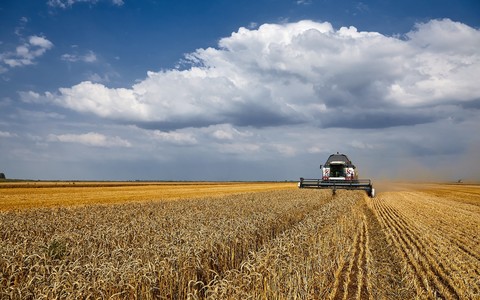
<point x="351" y="280"/>
<point x="431" y="275"/>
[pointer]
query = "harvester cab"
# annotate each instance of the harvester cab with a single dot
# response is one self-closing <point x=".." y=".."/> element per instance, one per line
<point x="338" y="173"/>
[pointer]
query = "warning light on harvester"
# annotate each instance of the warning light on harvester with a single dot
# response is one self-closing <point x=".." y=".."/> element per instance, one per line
<point x="339" y="173"/>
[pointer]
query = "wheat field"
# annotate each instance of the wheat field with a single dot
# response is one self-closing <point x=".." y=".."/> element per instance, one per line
<point x="232" y="241"/>
<point x="26" y="195"/>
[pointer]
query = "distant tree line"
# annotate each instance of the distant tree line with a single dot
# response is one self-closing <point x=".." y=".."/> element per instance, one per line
<point x="2" y="176"/>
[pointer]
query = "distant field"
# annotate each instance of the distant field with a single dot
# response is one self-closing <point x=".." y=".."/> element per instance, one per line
<point x="26" y="195"/>
<point x="240" y="241"/>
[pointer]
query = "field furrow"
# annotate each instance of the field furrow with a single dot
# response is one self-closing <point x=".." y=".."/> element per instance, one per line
<point x="352" y="284"/>
<point x="363" y="292"/>
<point x="351" y="278"/>
<point x="461" y="262"/>
<point x="344" y="274"/>
<point x="454" y="218"/>
<point x="456" y="231"/>
<point x="459" y="256"/>
<point x="422" y="282"/>
<point x="427" y="256"/>
<point x="389" y="272"/>
<point x="445" y="266"/>
<point x="367" y="291"/>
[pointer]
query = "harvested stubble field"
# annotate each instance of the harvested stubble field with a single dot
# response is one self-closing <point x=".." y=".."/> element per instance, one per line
<point x="277" y="242"/>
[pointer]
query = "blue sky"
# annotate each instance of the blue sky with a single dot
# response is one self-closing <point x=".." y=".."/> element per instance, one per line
<point x="238" y="90"/>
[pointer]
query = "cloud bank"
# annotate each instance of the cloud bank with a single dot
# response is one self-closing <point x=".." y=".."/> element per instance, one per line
<point x="300" y="73"/>
<point x="269" y="103"/>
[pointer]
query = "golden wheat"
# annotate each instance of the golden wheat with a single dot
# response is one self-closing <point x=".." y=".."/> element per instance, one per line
<point x="283" y="243"/>
<point x="27" y="195"/>
<point x="156" y="248"/>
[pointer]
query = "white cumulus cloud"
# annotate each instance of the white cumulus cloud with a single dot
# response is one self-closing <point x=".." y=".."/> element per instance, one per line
<point x="304" y="72"/>
<point x="26" y="53"/>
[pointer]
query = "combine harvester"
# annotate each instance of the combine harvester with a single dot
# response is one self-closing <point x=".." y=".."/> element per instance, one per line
<point x="338" y="173"/>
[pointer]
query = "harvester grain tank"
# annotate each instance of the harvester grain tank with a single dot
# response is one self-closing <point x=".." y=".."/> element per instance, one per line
<point x="339" y="172"/>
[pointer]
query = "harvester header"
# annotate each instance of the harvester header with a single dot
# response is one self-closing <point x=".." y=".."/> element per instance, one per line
<point x="339" y="173"/>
